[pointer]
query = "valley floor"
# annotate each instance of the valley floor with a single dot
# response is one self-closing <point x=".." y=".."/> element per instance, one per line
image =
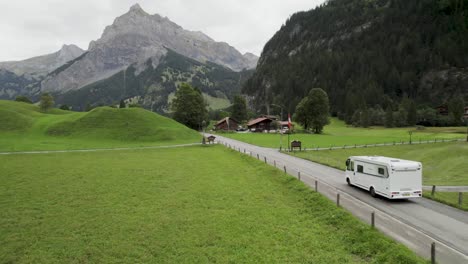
<point x="180" y="205"/>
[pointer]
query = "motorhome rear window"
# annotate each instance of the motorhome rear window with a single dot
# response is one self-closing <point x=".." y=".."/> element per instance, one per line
<point x="360" y="168"/>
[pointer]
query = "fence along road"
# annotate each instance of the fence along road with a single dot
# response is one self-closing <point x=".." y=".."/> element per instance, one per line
<point x="416" y="223"/>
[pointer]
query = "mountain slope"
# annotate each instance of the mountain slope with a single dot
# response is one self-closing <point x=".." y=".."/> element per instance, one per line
<point x="42" y="65"/>
<point x="134" y="38"/>
<point x="367" y="53"/>
<point x="152" y="87"/>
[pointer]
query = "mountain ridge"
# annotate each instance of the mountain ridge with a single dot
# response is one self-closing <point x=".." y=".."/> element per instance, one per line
<point x="135" y="37"/>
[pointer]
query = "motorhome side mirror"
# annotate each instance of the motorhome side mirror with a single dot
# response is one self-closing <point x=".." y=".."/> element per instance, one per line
<point x="347" y="162"/>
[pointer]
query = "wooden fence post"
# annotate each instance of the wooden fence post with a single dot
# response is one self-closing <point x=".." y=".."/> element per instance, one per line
<point x="433" y="253"/>
<point x="265" y="160"/>
<point x="373" y="219"/>
<point x="274" y="162"/>
<point x="433" y="190"/>
<point x="338" y="199"/>
<point x="258" y="156"/>
<point x="299" y="175"/>
<point x="460" y="199"/>
<point x="316" y="185"/>
<point x="284" y="168"/>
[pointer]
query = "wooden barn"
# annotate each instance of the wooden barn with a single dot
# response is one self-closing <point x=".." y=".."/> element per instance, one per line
<point x="260" y="124"/>
<point x="227" y="123"/>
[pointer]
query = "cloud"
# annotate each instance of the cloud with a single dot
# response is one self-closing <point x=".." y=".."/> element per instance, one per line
<point x="31" y="28"/>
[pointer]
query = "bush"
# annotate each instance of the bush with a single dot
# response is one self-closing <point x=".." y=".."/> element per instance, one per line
<point x="22" y="98"/>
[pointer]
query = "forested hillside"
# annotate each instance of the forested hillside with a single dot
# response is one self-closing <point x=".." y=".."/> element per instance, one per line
<point x="383" y="55"/>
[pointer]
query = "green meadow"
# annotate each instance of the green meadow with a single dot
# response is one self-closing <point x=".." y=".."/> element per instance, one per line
<point x="337" y="133"/>
<point x="443" y="163"/>
<point x="24" y="127"/>
<point x="182" y="205"/>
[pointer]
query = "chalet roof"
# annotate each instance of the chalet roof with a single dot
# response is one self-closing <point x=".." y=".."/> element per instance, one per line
<point x="225" y="120"/>
<point x="258" y="120"/>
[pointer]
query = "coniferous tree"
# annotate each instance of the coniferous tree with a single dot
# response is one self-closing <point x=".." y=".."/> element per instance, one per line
<point x="239" y="108"/>
<point x="456" y="109"/>
<point x="389" y="117"/>
<point x="122" y="104"/>
<point x="412" y="114"/>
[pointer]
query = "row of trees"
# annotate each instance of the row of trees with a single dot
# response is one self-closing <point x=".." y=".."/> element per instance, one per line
<point x="408" y="114"/>
<point x="46" y="101"/>
<point x="189" y="108"/>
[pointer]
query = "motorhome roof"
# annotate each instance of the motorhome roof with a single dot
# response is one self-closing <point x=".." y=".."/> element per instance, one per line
<point x="393" y="162"/>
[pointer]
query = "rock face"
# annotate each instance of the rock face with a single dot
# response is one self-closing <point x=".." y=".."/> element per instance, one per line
<point x="42" y="65"/>
<point x="133" y="39"/>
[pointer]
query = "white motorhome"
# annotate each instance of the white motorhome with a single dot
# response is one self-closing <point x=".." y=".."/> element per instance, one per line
<point x="388" y="177"/>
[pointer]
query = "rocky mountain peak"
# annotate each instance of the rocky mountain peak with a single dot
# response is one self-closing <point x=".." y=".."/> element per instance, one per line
<point x="136" y="8"/>
<point x="133" y="39"/>
<point x="69" y="52"/>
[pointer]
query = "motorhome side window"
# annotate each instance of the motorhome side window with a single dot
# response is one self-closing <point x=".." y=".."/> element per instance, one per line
<point x="360" y="168"/>
<point x="382" y="171"/>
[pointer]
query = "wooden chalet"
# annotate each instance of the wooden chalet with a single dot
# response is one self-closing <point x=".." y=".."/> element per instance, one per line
<point x="284" y="124"/>
<point x="260" y="124"/>
<point x="442" y="110"/>
<point x="227" y="123"/>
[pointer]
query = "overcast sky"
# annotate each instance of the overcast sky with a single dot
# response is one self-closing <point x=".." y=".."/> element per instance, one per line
<point x="36" y="27"/>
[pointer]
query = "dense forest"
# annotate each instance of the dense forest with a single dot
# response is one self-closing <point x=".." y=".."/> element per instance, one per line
<point x="374" y="58"/>
<point x="151" y="87"/>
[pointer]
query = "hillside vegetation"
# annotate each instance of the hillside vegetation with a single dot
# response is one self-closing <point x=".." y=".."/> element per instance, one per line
<point x="24" y="127"/>
<point x="367" y="54"/>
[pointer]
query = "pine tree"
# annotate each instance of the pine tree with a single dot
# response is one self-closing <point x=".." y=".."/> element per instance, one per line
<point x="239" y="108"/>
<point x="389" y="117"/>
<point x="122" y="104"/>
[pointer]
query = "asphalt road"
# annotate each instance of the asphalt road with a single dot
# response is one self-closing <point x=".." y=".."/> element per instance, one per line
<point x="415" y="222"/>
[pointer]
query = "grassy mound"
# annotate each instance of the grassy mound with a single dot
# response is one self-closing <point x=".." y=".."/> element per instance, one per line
<point x="133" y="124"/>
<point x="24" y="127"/>
<point x="17" y="116"/>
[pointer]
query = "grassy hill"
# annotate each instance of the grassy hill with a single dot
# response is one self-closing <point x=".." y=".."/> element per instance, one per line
<point x="24" y="127"/>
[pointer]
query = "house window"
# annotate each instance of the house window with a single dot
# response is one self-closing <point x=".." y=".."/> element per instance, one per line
<point x="360" y="168"/>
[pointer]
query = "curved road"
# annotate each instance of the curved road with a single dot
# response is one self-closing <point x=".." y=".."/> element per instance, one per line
<point x="416" y="223"/>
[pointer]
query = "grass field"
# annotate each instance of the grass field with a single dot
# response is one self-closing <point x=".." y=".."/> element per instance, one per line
<point x="443" y="163"/>
<point x="338" y="134"/>
<point x="212" y="205"/>
<point x="450" y="198"/>
<point x="24" y="127"/>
